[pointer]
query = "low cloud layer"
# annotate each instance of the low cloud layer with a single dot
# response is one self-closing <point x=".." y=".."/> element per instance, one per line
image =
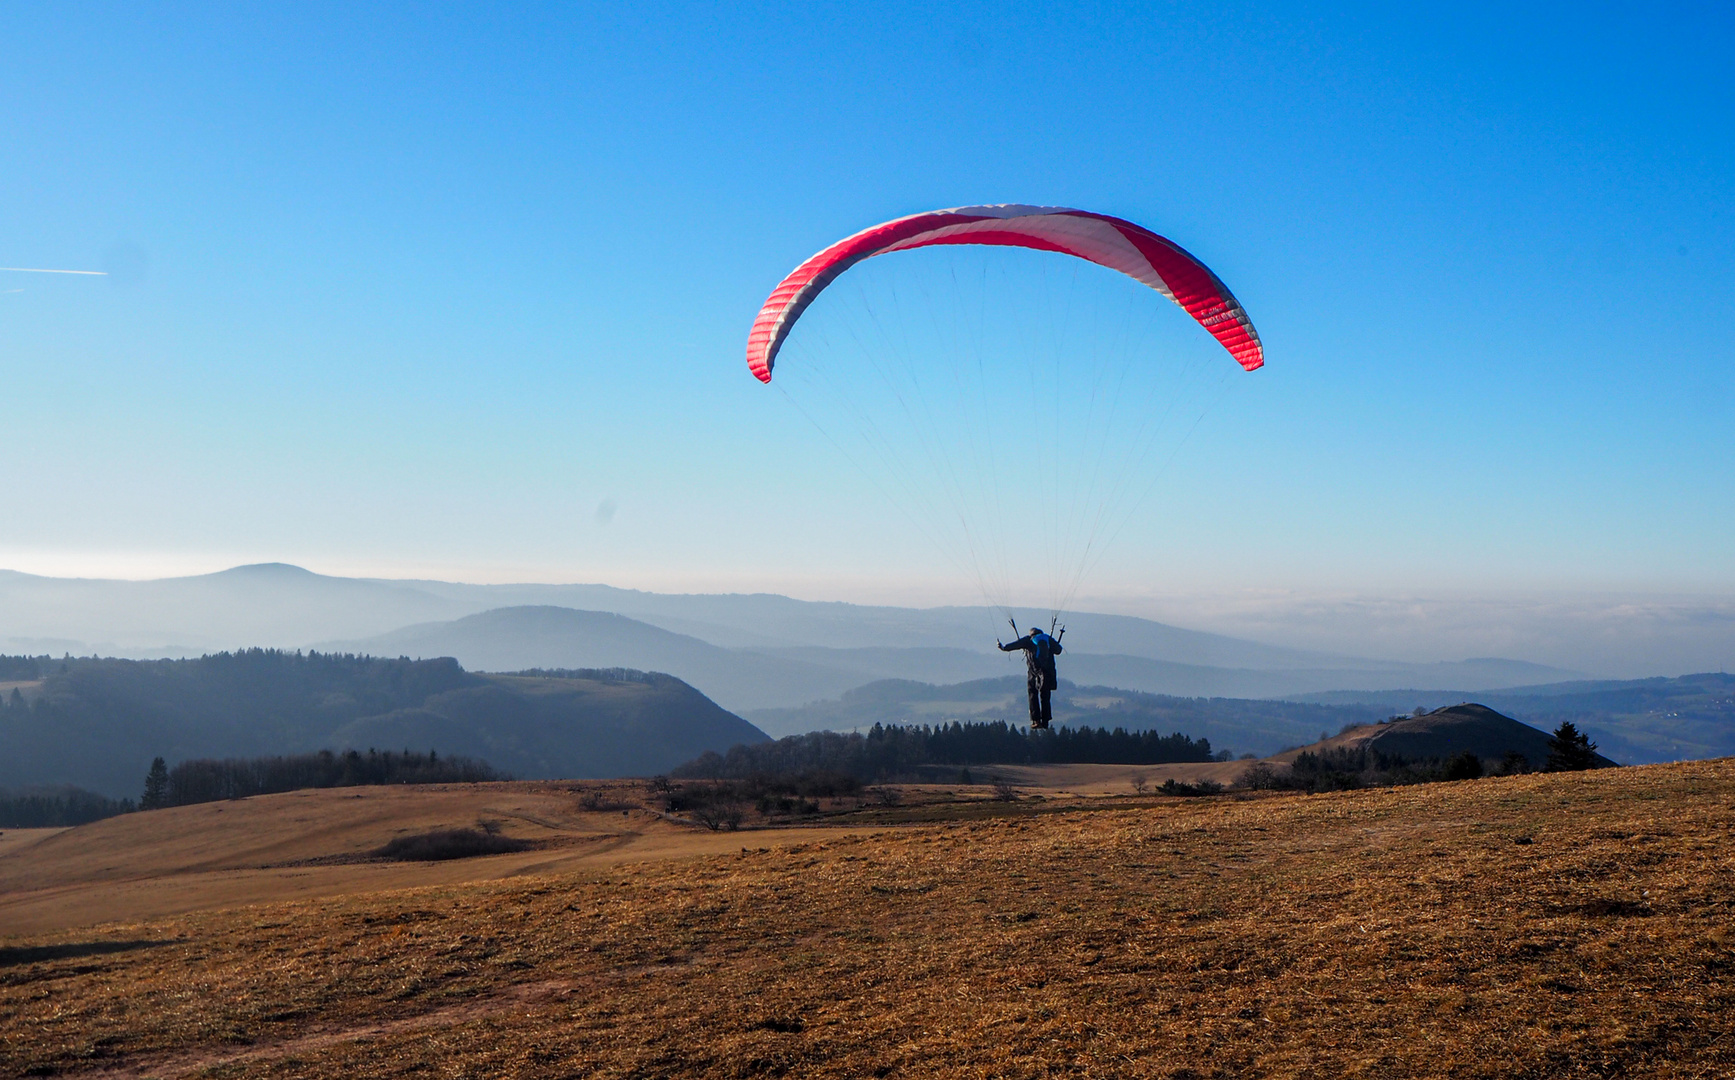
<point x="1607" y="636"/>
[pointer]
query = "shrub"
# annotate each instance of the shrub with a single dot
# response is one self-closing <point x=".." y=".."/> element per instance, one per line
<point x="1202" y="787"/>
<point x="1261" y="776"/>
<point x="718" y="806"/>
<point x="775" y="805"/>
<point x="1466" y="766"/>
<point x="719" y="815"/>
<point x="441" y="844"/>
<point x="1514" y="763"/>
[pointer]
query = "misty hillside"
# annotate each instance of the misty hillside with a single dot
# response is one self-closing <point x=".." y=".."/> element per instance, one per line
<point x="1636" y="721"/>
<point x="815" y="644"/>
<point x="513" y="639"/>
<point x="1192" y="680"/>
<point x="97" y="724"/>
<point x="270" y="604"/>
<point x="1243" y="726"/>
<point x="785" y="677"/>
<point x="764" y="620"/>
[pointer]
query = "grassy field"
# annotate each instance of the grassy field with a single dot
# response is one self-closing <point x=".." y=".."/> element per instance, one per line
<point x="1532" y="926"/>
<point x="312" y="844"/>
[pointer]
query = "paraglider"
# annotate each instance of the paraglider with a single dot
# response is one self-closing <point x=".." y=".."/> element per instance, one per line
<point x="1108" y="241"/>
<point x="920" y="381"/>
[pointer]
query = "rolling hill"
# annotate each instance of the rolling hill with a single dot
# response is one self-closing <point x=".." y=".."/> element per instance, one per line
<point x="513" y="639"/>
<point x="97" y="724"/>
<point x="1444" y="733"/>
<point x="1636" y="721"/>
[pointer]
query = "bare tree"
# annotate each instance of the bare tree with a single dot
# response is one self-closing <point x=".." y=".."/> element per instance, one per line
<point x="719" y="814"/>
<point x="887" y="796"/>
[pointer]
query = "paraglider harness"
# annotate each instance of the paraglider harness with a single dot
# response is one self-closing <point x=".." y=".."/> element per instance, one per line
<point x="1041" y="679"/>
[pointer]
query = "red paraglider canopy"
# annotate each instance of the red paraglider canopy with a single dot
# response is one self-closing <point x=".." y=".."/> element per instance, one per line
<point x="1098" y="238"/>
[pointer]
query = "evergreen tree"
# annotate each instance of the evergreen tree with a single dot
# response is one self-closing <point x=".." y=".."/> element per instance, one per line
<point x="156" y="786"/>
<point x="1570" y="750"/>
<point x="1466" y="766"/>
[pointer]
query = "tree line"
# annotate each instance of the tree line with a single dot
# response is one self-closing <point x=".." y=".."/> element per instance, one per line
<point x="209" y="780"/>
<point x="610" y="674"/>
<point x="892" y="752"/>
<point x="22" y="668"/>
<point x="60" y="808"/>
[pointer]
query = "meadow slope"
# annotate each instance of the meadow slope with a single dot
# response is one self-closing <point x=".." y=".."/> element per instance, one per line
<point x="1531" y="926"/>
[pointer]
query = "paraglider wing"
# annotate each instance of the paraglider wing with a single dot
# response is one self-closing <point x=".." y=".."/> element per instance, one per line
<point x="1098" y="238"/>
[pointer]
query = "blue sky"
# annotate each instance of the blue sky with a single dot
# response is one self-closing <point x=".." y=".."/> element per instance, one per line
<point x="415" y="289"/>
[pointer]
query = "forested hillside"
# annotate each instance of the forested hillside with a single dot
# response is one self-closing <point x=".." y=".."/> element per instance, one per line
<point x="909" y="753"/>
<point x="1238" y="724"/>
<point x="98" y="723"/>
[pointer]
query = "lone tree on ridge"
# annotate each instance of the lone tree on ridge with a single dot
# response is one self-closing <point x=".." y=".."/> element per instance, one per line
<point x="1570" y="750"/>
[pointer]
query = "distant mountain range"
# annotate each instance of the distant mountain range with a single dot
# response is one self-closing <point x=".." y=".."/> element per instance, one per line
<point x="778" y="677"/>
<point x="746" y="651"/>
<point x="97" y="724"/>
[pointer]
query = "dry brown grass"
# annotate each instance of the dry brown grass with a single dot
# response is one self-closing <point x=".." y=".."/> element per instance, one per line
<point x="309" y="844"/>
<point x="1111" y="779"/>
<point x="1538" y="926"/>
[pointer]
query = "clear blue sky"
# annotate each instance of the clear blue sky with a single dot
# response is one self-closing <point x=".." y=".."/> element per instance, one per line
<point x="416" y="289"/>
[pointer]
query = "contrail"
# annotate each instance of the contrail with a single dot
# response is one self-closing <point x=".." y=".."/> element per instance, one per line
<point x="39" y="270"/>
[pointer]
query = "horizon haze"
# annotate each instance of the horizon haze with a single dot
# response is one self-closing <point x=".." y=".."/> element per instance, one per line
<point x="278" y="605"/>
